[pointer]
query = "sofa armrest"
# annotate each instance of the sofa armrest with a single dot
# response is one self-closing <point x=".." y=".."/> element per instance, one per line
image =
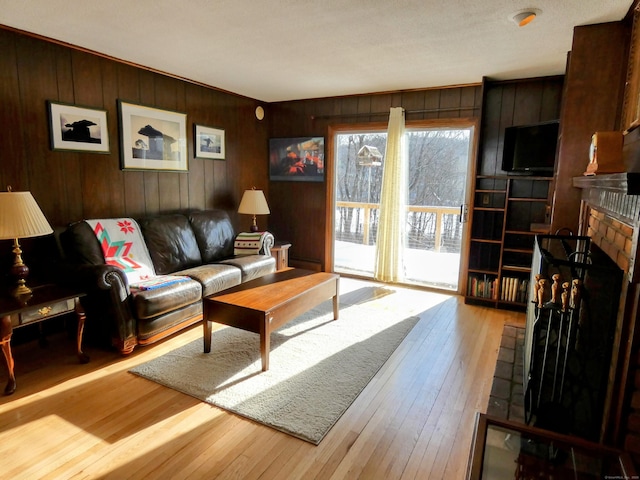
<point x="107" y="304"/>
<point x="101" y="277"/>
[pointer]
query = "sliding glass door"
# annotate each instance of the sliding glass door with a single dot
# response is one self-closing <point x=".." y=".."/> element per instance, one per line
<point x="437" y="186"/>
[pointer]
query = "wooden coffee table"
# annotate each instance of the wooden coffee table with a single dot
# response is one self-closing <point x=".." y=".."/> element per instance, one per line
<point x="266" y="303"/>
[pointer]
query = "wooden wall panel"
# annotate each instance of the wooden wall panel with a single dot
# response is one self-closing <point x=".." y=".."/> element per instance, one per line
<point x="11" y="146"/>
<point x="591" y="103"/>
<point x="514" y="103"/>
<point x="432" y="104"/>
<point x="299" y="209"/>
<point x="413" y="102"/>
<point x="81" y="185"/>
<point x="490" y="142"/>
<point x="69" y="185"/>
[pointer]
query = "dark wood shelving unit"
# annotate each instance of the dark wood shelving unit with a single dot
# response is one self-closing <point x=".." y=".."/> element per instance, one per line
<point x="506" y="215"/>
<point x="508" y="208"/>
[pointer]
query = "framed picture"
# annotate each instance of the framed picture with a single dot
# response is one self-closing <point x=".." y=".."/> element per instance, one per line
<point x="152" y="139"/>
<point x="78" y="128"/>
<point x="296" y="159"/>
<point x="208" y="142"/>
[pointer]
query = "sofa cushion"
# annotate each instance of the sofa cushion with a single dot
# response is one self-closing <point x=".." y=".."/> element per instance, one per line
<point x="214" y="234"/>
<point x="171" y="242"/>
<point x="214" y="277"/>
<point x="150" y="303"/>
<point x="253" y="266"/>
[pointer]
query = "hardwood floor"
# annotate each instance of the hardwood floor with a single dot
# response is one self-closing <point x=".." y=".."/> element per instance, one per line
<point x="413" y="421"/>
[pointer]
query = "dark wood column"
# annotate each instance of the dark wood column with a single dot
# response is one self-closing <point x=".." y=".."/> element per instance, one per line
<point x="594" y="86"/>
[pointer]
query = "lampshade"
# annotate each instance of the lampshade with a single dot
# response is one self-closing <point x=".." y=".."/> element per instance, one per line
<point x="253" y="203"/>
<point x="21" y="217"/>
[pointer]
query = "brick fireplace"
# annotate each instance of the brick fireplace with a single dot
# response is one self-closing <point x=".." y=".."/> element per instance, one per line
<point x="610" y="216"/>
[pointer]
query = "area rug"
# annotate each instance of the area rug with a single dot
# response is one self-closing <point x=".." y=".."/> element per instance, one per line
<point x="317" y="367"/>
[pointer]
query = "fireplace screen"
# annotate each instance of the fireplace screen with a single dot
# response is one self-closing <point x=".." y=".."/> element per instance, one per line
<point x="571" y="317"/>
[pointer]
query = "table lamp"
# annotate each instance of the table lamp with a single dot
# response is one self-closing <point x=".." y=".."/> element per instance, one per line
<point x="21" y="217"/>
<point x="253" y="203"/>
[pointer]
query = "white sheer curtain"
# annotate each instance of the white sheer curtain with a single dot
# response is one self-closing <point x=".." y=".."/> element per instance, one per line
<point x="390" y="241"/>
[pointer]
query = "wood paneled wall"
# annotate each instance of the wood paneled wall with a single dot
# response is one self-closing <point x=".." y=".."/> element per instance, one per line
<point x="512" y="103"/>
<point x="592" y="102"/>
<point x="299" y="210"/>
<point x="70" y="186"/>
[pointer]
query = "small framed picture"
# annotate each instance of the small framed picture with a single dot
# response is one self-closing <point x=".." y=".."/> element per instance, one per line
<point x="152" y="139"/>
<point x="296" y="159"/>
<point x="75" y="128"/>
<point x="209" y="142"/>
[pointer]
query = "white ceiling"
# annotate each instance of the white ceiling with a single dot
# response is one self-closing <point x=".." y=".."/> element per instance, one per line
<point x="274" y="50"/>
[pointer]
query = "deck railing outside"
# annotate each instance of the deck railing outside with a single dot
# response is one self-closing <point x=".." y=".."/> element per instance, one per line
<point x="428" y="227"/>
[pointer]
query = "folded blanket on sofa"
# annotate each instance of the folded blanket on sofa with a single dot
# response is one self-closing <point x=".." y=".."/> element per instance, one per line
<point x="158" y="281"/>
<point x="123" y="246"/>
<point x="250" y="243"/>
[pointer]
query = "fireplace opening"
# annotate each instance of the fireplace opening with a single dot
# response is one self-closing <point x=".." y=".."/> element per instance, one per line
<point x="570" y="329"/>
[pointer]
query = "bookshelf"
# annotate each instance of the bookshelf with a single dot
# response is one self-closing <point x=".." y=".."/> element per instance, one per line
<point x="507" y="213"/>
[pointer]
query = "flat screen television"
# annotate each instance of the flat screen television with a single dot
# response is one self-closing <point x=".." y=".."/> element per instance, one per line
<point x="530" y="148"/>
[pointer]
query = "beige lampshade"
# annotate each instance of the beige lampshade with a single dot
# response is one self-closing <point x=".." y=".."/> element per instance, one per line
<point x="21" y="217"/>
<point x="253" y="203"/>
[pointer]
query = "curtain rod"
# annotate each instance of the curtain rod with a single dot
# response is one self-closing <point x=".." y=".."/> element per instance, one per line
<point x="377" y="114"/>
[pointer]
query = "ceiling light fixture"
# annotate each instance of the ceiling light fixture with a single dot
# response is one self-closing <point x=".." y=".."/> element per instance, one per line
<point x="524" y="17"/>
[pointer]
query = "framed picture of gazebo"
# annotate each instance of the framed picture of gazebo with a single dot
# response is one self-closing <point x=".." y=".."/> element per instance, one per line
<point x="152" y="139"/>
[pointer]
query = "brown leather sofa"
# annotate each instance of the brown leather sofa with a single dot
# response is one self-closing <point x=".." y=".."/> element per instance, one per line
<point x="199" y="245"/>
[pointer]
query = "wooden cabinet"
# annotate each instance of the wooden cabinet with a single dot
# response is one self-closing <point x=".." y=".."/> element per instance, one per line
<point x="507" y="213"/>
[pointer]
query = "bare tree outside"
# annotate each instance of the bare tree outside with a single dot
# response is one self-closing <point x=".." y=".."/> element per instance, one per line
<point x="436" y="183"/>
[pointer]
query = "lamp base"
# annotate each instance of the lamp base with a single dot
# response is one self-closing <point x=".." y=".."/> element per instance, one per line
<point x="254" y="225"/>
<point x="20" y="271"/>
<point x="22" y="291"/>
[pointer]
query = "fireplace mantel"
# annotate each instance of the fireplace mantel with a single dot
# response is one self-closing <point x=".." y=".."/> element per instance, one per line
<point x="616" y="194"/>
<point x="627" y="183"/>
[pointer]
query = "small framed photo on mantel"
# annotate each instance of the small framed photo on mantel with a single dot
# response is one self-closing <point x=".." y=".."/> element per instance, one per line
<point x="78" y="129"/>
<point x="209" y="142"/>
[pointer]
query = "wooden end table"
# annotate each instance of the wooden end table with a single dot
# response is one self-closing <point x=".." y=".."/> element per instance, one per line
<point x="46" y="301"/>
<point x="266" y="303"/>
<point x="280" y="251"/>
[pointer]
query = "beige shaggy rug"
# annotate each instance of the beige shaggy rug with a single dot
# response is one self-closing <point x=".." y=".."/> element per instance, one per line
<point x="317" y="367"/>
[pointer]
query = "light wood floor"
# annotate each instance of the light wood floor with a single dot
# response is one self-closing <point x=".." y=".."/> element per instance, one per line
<point x="413" y="421"/>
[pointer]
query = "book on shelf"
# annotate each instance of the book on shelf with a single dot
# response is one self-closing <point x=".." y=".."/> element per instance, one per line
<point x="485" y="286"/>
<point x="514" y="289"/>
